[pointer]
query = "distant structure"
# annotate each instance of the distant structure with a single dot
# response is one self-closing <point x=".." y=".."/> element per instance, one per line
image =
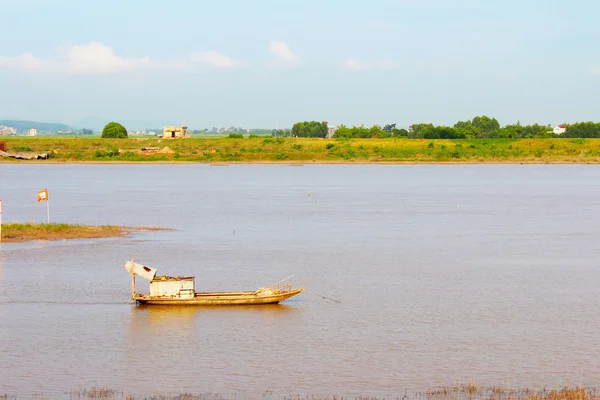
<point x="330" y="130"/>
<point x="175" y="132"/>
<point x="32" y="132"/>
<point x="7" y="131"/>
<point x="559" y="130"/>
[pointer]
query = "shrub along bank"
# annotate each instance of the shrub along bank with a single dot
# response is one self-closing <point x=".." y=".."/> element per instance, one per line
<point x="261" y="149"/>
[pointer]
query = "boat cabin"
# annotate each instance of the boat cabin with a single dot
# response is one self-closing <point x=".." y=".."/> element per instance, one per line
<point x="174" y="287"/>
<point x="180" y="287"/>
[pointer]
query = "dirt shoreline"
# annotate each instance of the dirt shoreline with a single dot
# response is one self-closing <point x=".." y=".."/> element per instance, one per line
<point x="18" y="233"/>
<point x="311" y="162"/>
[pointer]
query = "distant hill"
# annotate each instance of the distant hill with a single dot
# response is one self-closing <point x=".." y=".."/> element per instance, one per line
<point x="24" y="126"/>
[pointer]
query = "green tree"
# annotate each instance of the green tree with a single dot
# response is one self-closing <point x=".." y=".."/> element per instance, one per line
<point x="376" y="132"/>
<point x="442" y="132"/>
<point x="310" y="129"/>
<point x="343" y="132"/>
<point x="298" y="129"/>
<point x="485" y="124"/>
<point x="419" y="129"/>
<point x="389" y="128"/>
<point x="114" y="130"/>
<point x="583" y="130"/>
<point x="482" y="126"/>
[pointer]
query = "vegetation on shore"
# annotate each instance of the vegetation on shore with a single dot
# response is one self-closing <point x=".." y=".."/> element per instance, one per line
<point x="308" y="150"/>
<point x="480" y="127"/>
<point x="114" y="130"/>
<point x="458" y="392"/>
<point x="21" y="232"/>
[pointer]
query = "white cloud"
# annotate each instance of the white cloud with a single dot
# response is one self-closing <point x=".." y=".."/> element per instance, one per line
<point x="353" y="63"/>
<point x="283" y="54"/>
<point x="98" y="58"/>
<point x="593" y="70"/>
<point x="92" y="58"/>
<point x="213" y="59"/>
<point x="25" y="61"/>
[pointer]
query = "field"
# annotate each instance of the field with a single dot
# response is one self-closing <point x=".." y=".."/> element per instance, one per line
<point x="17" y="232"/>
<point x="304" y="150"/>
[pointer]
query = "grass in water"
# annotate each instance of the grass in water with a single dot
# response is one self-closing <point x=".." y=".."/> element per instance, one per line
<point x="20" y="232"/>
<point x="458" y="392"/>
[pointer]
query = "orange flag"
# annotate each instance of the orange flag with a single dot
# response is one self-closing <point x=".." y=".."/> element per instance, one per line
<point x="42" y="195"/>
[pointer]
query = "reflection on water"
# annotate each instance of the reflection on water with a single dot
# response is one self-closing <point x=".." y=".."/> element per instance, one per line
<point x="154" y="319"/>
<point x="443" y="273"/>
<point x="164" y="312"/>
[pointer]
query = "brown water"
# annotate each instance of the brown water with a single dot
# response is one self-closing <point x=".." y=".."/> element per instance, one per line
<point x="444" y="274"/>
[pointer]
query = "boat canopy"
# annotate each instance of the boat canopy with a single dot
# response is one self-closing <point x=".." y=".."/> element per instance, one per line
<point x="140" y="270"/>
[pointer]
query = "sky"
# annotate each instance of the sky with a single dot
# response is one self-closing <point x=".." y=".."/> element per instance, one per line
<point x="269" y="64"/>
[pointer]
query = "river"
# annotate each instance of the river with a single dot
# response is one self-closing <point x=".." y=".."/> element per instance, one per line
<point x="443" y="274"/>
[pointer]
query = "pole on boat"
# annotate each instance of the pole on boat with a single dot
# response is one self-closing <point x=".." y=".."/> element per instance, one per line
<point x="132" y="280"/>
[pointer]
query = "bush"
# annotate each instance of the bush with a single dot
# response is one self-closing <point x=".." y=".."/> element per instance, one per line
<point x="21" y="148"/>
<point x="235" y="136"/>
<point x="443" y="132"/>
<point x="113" y="152"/>
<point x="114" y="130"/>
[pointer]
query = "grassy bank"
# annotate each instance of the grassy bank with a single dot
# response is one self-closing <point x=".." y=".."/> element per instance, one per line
<point x="459" y="392"/>
<point x="17" y="232"/>
<point x="253" y="150"/>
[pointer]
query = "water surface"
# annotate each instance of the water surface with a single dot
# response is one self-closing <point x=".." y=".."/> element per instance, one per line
<point x="444" y="274"/>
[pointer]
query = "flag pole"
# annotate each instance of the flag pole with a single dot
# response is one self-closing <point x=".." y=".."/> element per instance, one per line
<point x="48" y="209"/>
<point x="0" y="221"/>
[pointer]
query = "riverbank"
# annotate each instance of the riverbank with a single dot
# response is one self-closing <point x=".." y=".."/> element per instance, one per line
<point x="18" y="232"/>
<point x="304" y="150"/>
<point x="456" y="392"/>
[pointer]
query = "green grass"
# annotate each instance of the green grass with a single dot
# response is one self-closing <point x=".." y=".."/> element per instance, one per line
<point x="268" y="149"/>
<point x="20" y="232"/>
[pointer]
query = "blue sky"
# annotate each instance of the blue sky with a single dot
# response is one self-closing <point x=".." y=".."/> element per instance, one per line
<point x="272" y="63"/>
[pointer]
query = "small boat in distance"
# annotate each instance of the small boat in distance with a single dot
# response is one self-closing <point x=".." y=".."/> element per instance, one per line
<point x="180" y="290"/>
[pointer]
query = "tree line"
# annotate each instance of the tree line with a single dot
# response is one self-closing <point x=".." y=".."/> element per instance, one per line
<point x="479" y="127"/>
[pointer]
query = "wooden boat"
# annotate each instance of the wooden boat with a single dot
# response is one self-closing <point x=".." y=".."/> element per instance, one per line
<point x="180" y="290"/>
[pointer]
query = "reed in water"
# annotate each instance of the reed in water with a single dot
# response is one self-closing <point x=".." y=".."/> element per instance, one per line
<point x="457" y="392"/>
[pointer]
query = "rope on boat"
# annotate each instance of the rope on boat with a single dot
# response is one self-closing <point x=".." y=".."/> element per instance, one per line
<point x="320" y="295"/>
<point x="283" y="280"/>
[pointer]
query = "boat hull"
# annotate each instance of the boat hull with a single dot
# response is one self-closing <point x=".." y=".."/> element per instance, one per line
<point x="220" y="298"/>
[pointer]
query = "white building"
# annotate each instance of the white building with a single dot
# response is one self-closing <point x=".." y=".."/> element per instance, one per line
<point x="32" y="132"/>
<point x="330" y="130"/>
<point x="559" y="130"/>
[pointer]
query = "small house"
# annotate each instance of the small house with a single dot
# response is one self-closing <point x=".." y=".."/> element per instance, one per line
<point x="175" y="132"/>
<point x="559" y="130"/>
